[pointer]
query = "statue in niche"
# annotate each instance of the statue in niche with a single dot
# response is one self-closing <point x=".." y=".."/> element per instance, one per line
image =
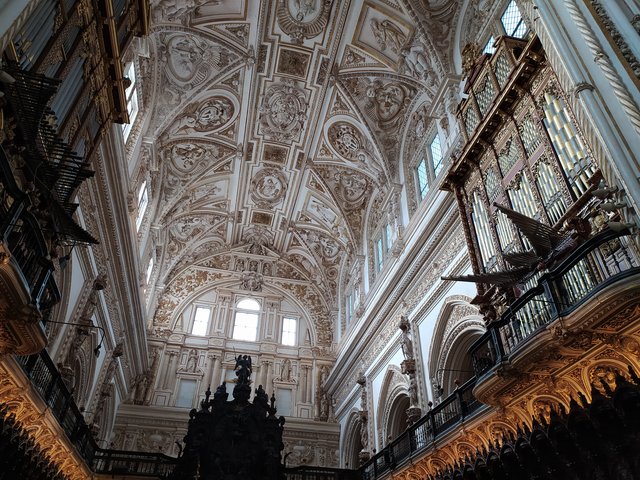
<point x="285" y="370"/>
<point x="324" y="374"/>
<point x="324" y="406"/>
<point x="388" y="34"/>
<point x="192" y="362"/>
<point x="406" y="342"/>
<point x="140" y="387"/>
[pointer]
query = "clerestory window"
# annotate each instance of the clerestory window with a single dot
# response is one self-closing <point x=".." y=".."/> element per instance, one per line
<point x="245" y="326"/>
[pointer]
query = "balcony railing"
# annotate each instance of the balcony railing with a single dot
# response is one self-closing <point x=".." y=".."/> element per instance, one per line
<point x="603" y="260"/>
<point x="320" y="473"/>
<point x="140" y="464"/>
<point x="22" y="236"/>
<point x="421" y="435"/>
<point x="46" y="379"/>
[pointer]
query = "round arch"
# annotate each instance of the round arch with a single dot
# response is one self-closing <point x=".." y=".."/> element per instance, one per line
<point x="393" y="405"/>
<point x="232" y="284"/>
<point x="457" y="327"/>
<point x="352" y="441"/>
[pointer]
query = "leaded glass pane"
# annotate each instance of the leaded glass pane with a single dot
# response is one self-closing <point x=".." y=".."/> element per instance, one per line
<point x="508" y="157"/>
<point x="492" y="182"/>
<point x="530" y="135"/>
<point x="490" y="46"/>
<point x="502" y="70"/>
<point x="436" y="155"/>
<point x="512" y="21"/>
<point x="485" y="94"/>
<point x="470" y="120"/>
<point x="423" y="180"/>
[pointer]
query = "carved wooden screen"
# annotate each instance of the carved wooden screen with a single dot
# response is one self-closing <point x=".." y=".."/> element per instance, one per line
<point x="522" y="151"/>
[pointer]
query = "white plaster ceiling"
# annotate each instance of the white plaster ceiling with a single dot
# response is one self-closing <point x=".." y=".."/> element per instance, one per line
<point x="280" y="131"/>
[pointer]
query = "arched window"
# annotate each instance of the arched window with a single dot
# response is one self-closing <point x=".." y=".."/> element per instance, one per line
<point x="245" y="326"/>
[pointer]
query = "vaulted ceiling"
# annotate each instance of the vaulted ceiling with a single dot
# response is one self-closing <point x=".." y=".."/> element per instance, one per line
<point x="277" y="135"/>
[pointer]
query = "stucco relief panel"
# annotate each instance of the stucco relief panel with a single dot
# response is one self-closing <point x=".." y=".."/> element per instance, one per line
<point x="210" y="115"/>
<point x="268" y="187"/>
<point x="301" y="19"/>
<point x="283" y="111"/>
<point x="382" y="34"/>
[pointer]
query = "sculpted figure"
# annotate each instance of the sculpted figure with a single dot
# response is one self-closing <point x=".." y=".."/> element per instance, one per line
<point x="388" y="34"/>
<point x="415" y="61"/>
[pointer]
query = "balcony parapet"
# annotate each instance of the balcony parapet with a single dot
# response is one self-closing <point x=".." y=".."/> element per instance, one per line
<point x="551" y="313"/>
<point x="422" y="436"/>
<point x="26" y="281"/>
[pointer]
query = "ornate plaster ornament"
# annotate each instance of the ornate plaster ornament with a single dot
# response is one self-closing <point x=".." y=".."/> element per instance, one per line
<point x="190" y="59"/>
<point x="178" y="10"/>
<point x="251" y="281"/>
<point x="258" y="238"/>
<point x="351" y="187"/>
<point x="388" y="101"/>
<point x="268" y="187"/>
<point x="210" y="115"/>
<point x="388" y="35"/>
<point x="470" y="54"/>
<point x="186" y="157"/>
<point x="302" y="19"/>
<point x="346" y="140"/>
<point x="415" y="62"/>
<point x="283" y="111"/>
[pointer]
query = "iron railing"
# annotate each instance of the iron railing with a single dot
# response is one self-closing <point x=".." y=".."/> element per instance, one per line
<point x="320" y="473"/>
<point x="46" y="379"/>
<point x="418" y="437"/>
<point x="607" y="258"/>
<point x="22" y="236"/>
<point x="140" y="464"/>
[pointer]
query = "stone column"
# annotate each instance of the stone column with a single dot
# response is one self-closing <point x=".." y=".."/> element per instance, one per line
<point x="304" y="375"/>
<point x="215" y="372"/>
<point x="269" y="377"/>
<point x="168" y="374"/>
<point x="206" y="379"/>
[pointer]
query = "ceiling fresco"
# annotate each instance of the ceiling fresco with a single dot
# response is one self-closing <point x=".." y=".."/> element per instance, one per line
<point x="273" y="132"/>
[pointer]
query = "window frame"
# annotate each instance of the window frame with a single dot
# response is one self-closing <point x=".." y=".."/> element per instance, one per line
<point x="207" y="323"/>
<point x="245" y="312"/>
<point x="513" y="32"/>
<point x="131" y="98"/>
<point x="426" y="167"/>
<point x="143" y="204"/>
<point x="294" y="333"/>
